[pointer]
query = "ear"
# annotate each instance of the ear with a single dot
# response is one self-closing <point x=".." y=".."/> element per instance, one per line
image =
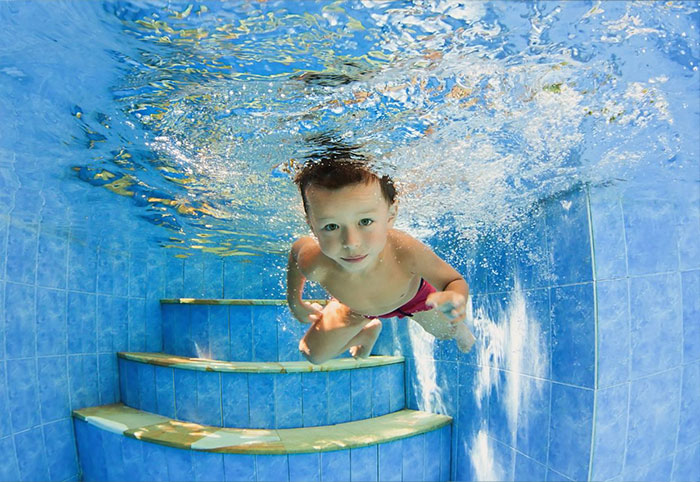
<point x="393" y="211"/>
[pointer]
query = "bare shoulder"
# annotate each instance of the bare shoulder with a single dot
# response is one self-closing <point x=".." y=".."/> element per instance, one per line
<point x="309" y="258"/>
<point x="407" y="248"/>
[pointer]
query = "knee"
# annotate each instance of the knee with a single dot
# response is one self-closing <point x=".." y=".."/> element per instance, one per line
<point x="309" y="355"/>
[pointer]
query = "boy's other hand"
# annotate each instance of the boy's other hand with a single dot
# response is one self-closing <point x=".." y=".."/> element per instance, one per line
<point x="453" y="305"/>
<point x="308" y="312"/>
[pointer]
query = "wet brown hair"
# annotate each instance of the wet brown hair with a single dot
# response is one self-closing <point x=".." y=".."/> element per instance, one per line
<point x="331" y="173"/>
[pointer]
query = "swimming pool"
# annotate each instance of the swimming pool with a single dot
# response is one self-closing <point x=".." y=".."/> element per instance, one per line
<point x="547" y="150"/>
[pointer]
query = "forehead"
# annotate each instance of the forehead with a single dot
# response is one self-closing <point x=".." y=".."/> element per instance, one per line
<point x="323" y="202"/>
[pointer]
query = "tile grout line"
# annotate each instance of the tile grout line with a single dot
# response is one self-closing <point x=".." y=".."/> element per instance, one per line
<point x="596" y="339"/>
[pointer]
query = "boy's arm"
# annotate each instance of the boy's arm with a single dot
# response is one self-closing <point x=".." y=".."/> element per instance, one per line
<point x="302" y="311"/>
<point x="452" y="290"/>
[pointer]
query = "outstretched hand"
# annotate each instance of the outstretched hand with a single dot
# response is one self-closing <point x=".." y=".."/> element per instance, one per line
<point x="312" y="312"/>
<point x="452" y="305"/>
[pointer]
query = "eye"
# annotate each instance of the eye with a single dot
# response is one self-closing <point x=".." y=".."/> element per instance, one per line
<point x="366" y="222"/>
<point x="330" y="227"/>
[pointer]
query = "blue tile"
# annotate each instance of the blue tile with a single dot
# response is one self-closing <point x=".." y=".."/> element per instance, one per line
<point x="654" y="409"/>
<point x="573" y="335"/>
<point x="82" y="267"/>
<point x="51" y="322"/>
<point x="304" y="467"/>
<point x="106" y="271"/>
<point x="2" y="319"/>
<point x="209" y="398"/>
<point x="569" y="250"/>
<point x="132" y="456"/>
<point x="108" y="379"/>
<point x="233" y="284"/>
<point x="656" y="323"/>
<point x="82" y="324"/>
<point x="390" y="464"/>
<point x="690" y="282"/>
<point x="239" y="467"/>
<point x="446" y="373"/>
<point x="363" y="464"/>
<point x="264" y="319"/>
<point x="554" y="476"/>
<point x="22" y="394"/>
<point x="339" y="403"/>
<point x="686" y="466"/>
<point x="528" y="470"/>
<point x="536" y="347"/>
<point x="361" y="394"/>
<point x="129" y="383"/>
<point x="501" y="263"/>
<point x="531" y="262"/>
<point x="335" y="466"/>
<point x="208" y="466"/>
<point x="262" y="400"/>
<point x="199" y="331"/>
<point x="380" y="391"/>
<point x="5" y="424"/>
<point x="218" y="333"/>
<point x="52" y="259"/>
<point x="138" y="275"/>
<point x="186" y="395"/>
<point x="120" y="313"/>
<point x="31" y="455"/>
<point x="154" y="324"/>
<point x="413" y="463"/>
<point x="20" y="319"/>
<point x="213" y="277"/>
<point x="137" y="324"/>
<point x="446" y="451"/>
<point x="235" y="399"/>
<point x="158" y="471"/>
<point x="689" y="426"/>
<point x="173" y="320"/>
<point x="272" y="467"/>
<point x="82" y="373"/>
<point x="659" y="471"/>
<point x="112" y="445"/>
<point x="241" y="333"/>
<point x="92" y="458"/>
<point x="147" y="387"/>
<point x="431" y="470"/>
<point x="289" y="332"/>
<point x="608" y="233"/>
<point x="501" y="422"/>
<point x="613" y="332"/>
<point x="503" y="460"/>
<point x="60" y="449"/>
<point x="570" y="430"/>
<point x="651" y="233"/>
<point x="8" y="469"/>
<point x="53" y="388"/>
<point x="610" y="432"/>
<point x="397" y="396"/>
<point x="174" y="276"/>
<point x="314" y="392"/>
<point x="165" y="391"/>
<point x="179" y="464"/>
<point x="533" y="414"/>
<point x="688" y="235"/>
<point x="194" y="277"/>
<point x="22" y="244"/>
<point x="105" y="323"/>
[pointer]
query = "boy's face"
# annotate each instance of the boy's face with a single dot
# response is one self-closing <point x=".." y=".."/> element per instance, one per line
<point x="351" y="223"/>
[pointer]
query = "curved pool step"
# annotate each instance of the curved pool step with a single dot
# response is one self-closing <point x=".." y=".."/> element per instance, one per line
<point x="231" y="329"/>
<point x="116" y="442"/>
<point x="264" y="395"/>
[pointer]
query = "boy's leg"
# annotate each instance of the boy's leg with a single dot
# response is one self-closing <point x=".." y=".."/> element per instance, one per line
<point x="329" y="336"/>
<point x="361" y="346"/>
<point x="438" y="324"/>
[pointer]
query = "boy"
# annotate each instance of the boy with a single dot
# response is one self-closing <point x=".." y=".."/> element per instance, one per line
<point x="371" y="270"/>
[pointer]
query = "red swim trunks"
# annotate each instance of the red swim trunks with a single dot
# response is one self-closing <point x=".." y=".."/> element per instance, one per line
<point x="416" y="304"/>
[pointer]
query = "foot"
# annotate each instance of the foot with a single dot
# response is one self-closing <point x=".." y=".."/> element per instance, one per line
<point x="366" y="339"/>
<point x="464" y="338"/>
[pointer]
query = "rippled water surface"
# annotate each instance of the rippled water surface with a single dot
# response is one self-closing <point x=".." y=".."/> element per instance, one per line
<point x="477" y="109"/>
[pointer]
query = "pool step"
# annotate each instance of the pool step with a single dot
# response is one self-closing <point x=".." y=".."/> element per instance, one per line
<point x="263" y="395"/>
<point x="115" y="442"/>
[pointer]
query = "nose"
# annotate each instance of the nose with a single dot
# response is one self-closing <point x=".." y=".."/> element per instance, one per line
<point x="351" y="239"/>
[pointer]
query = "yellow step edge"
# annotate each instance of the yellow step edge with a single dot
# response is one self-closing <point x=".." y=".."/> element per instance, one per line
<point x="149" y="427"/>
<point x="204" y="364"/>
<point x="224" y="301"/>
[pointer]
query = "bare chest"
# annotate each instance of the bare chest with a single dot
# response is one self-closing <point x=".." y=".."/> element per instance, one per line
<point x="385" y="290"/>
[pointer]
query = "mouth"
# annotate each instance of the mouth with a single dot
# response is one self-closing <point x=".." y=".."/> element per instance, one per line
<point x="354" y="259"/>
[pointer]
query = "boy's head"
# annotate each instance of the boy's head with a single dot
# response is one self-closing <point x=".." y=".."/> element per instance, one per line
<point x="333" y="174"/>
<point x="349" y="208"/>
